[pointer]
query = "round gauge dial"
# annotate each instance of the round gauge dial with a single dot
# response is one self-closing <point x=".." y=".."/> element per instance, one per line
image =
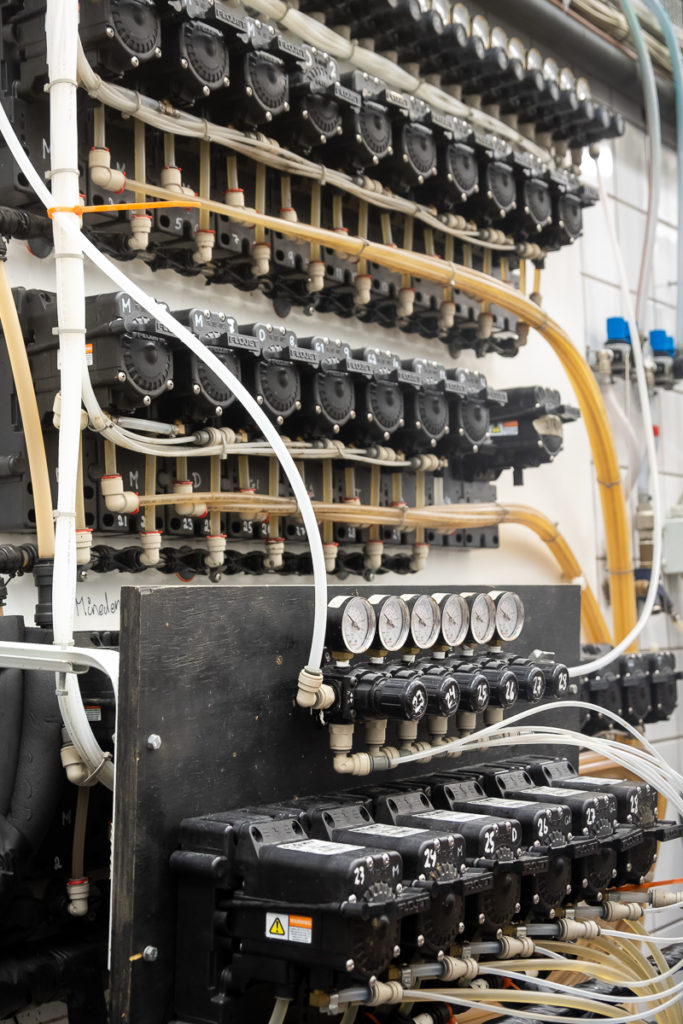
<point x="509" y="615"/>
<point x="482" y="617"/>
<point x="393" y="621"/>
<point x="425" y="620"/>
<point x="567" y="79"/>
<point x="551" y="70"/>
<point x="516" y="50"/>
<point x="461" y="16"/>
<point x="351" y="624"/>
<point x="499" y="38"/>
<point x="480" y="27"/>
<point x="455" y="618"/>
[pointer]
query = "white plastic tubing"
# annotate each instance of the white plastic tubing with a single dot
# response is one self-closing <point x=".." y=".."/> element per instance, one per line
<point x="70" y="245"/>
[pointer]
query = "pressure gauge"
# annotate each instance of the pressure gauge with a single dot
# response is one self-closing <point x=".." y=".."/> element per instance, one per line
<point x="351" y="624"/>
<point x="480" y="27"/>
<point x="393" y="621"/>
<point x="583" y="89"/>
<point x="455" y="618"/>
<point x="567" y="79"/>
<point x="425" y="620"/>
<point x="516" y="50"/>
<point x="482" y="617"/>
<point x="509" y="614"/>
<point x="461" y="16"/>
<point x="551" y="70"/>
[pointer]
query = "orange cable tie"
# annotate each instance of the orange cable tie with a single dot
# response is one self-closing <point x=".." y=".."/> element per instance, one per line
<point x="185" y="204"/>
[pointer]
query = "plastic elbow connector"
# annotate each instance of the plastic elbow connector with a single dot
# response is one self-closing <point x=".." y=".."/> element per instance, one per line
<point x="78" y="890"/>
<point x="485" y="328"/>
<point x="76" y="770"/>
<point x="216" y="544"/>
<point x="140" y="229"/>
<point x="275" y="550"/>
<point x="310" y="681"/>
<point x="171" y="179"/>
<point x="352" y="764"/>
<point x="115" y="498"/>
<point x="83" y="546"/>
<point x="362" y="287"/>
<point x="406" y="303"/>
<point x="373" y="551"/>
<point x="194" y="509"/>
<point x="260" y="259"/>
<point x="150" y="541"/>
<point x="234" y="197"/>
<point x="101" y="172"/>
<point x="316" y="277"/>
<point x="205" y="241"/>
<point x="330" y="551"/>
<point x="446" y="315"/>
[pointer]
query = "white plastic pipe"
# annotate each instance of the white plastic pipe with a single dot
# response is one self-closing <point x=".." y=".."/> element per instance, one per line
<point x="62" y="51"/>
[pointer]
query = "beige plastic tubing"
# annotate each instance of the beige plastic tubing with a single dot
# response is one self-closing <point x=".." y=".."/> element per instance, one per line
<point x="444" y="518"/>
<point x="485" y="288"/>
<point x="33" y="432"/>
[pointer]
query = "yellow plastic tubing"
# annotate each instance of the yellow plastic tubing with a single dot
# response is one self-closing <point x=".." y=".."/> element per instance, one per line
<point x="485" y="288"/>
<point x="445" y="518"/>
<point x="33" y="431"/>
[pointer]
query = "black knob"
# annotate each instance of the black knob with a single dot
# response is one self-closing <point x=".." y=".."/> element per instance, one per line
<point x="556" y="680"/>
<point x="503" y="682"/>
<point x="531" y="680"/>
<point x="401" y="696"/>
<point x="443" y="692"/>
<point x="475" y="691"/>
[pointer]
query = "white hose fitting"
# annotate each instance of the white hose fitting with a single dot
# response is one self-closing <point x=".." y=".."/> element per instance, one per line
<point x="331" y="550"/>
<point x="522" y="335"/>
<point x="234" y="197"/>
<point x="78" y="890"/>
<point x="352" y="764"/>
<point x="101" y="173"/>
<point x="171" y="179"/>
<point x="383" y="993"/>
<point x="363" y="289"/>
<point x="310" y="681"/>
<point x="216" y="543"/>
<point x="205" y="239"/>
<point x="115" y="498"/>
<point x="373" y="551"/>
<point x="140" y="230"/>
<point x="375" y="734"/>
<point x="260" y="259"/>
<point x="275" y="549"/>
<point x="613" y="911"/>
<point x="457" y="969"/>
<point x="150" y="541"/>
<point x="446" y="315"/>
<point x="194" y="509"/>
<point x="485" y="326"/>
<point x="76" y="770"/>
<point x="512" y="947"/>
<point x="406" y="302"/>
<point x="316" y="277"/>
<point x="419" y="557"/>
<point x="664" y="899"/>
<point x="569" y="929"/>
<point x="83" y="546"/>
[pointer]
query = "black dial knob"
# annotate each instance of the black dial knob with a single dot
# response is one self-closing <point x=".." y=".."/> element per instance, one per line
<point x="385" y="404"/>
<point x="213" y="389"/>
<point x="334" y="393"/>
<point x="503" y="682"/>
<point x="401" y="696"/>
<point x="473" y="422"/>
<point x="531" y="680"/>
<point x="137" y="26"/>
<point x="443" y="692"/>
<point x="373" y="132"/>
<point x="204" y="54"/>
<point x="266" y="82"/>
<point x="556" y="679"/>
<point x="475" y="691"/>
<point x="147" y="362"/>
<point x="462" y="169"/>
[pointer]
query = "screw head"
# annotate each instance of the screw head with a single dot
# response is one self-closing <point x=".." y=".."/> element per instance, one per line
<point x="350" y="964"/>
<point x="150" y="954"/>
<point x="153" y="741"/>
<point x="121" y="376"/>
<point x="183" y="63"/>
<point x="109" y="32"/>
<point x="397" y="950"/>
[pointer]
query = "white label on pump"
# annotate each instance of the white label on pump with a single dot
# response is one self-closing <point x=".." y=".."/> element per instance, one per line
<point x="452" y="816"/>
<point x="556" y="791"/>
<point x="493" y="801"/>
<point x="320" y="847"/>
<point x="393" y="831"/>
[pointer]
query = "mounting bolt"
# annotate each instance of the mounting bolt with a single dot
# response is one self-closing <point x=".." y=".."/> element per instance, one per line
<point x="150" y="953"/>
<point x="153" y="743"/>
<point x="350" y="964"/>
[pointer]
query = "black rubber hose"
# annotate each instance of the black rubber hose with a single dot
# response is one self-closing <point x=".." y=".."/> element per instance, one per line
<point x="38" y="780"/>
<point x="74" y="968"/>
<point x="11" y="702"/>
<point x="21" y="224"/>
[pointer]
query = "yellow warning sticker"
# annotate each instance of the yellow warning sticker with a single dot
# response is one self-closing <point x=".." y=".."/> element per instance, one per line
<point x="289" y="928"/>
